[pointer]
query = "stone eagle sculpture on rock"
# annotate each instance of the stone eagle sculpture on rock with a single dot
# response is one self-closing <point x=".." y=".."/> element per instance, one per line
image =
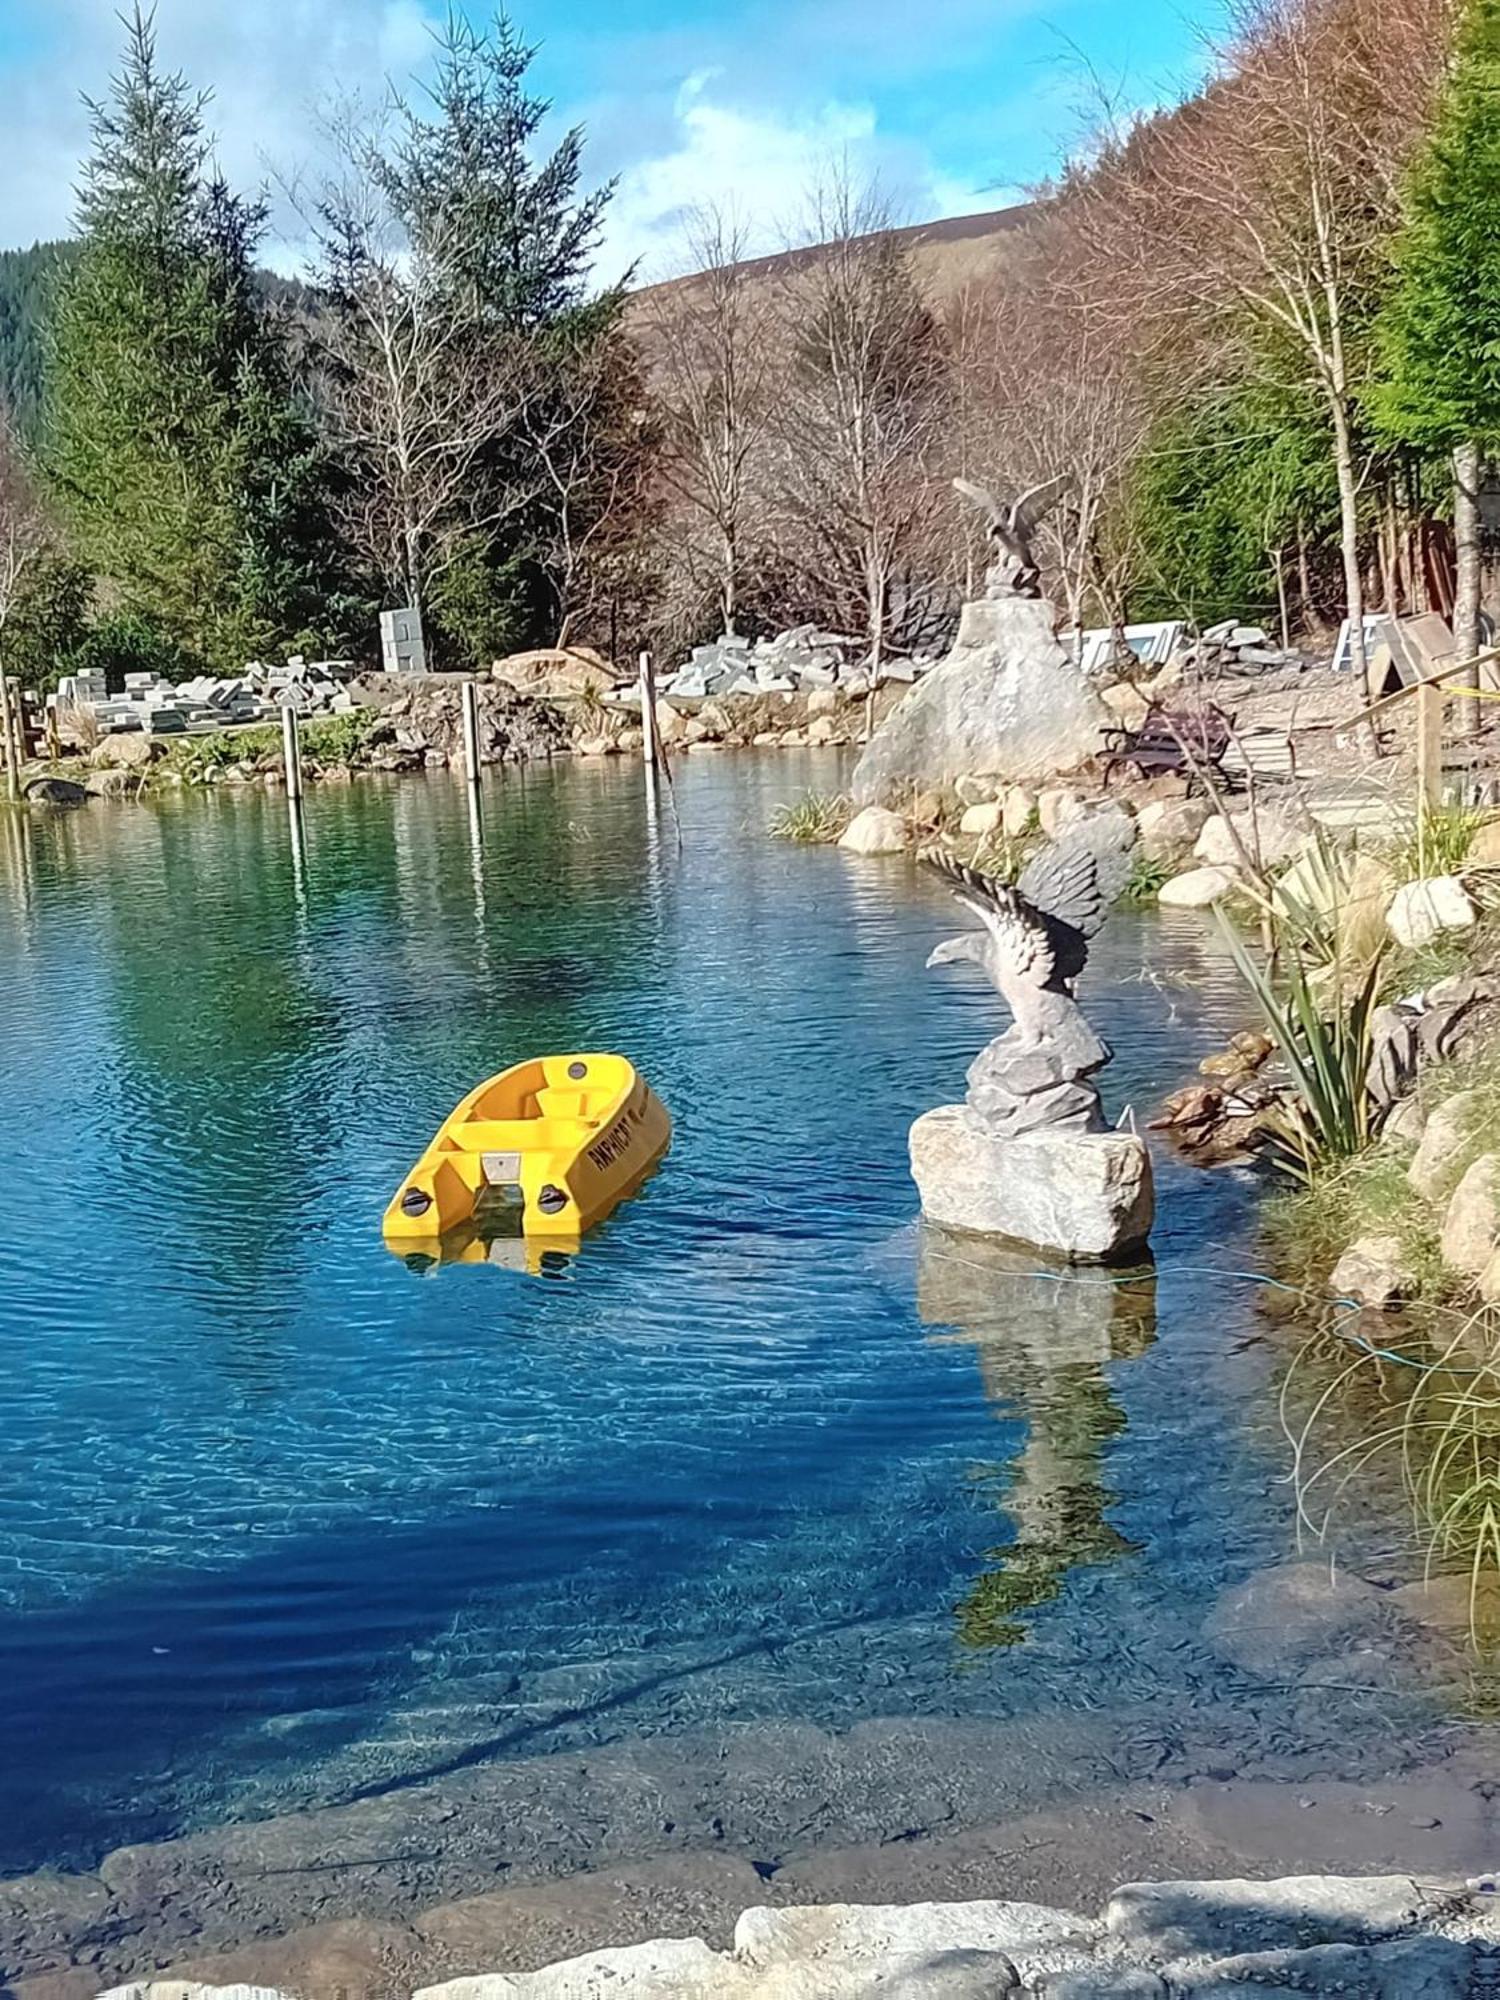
<point x="1035" y="940"/>
<point x="1013" y="571"/>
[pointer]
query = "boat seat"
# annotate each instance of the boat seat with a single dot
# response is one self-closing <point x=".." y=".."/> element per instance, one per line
<point x="557" y="1101"/>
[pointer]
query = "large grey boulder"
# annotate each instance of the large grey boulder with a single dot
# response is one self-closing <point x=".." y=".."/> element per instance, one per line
<point x="1007" y="703"/>
<point x="1088" y="1196"/>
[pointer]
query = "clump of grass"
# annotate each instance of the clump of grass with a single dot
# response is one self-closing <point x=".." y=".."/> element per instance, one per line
<point x="815" y="817"/>
<point x="326" y="739"/>
<point x="1148" y="874"/>
<point x="1434" y="841"/>
<point x="1310" y="1226"/>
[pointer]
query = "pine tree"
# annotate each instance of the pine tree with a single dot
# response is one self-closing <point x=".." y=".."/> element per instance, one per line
<point x="513" y="240"/>
<point x="188" y="477"/>
<point x="508" y="241"/>
<point x="1439" y="337"/>
<point x="1440" y="333"/>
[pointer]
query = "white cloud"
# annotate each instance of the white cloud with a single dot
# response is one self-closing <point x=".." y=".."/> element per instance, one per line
<point x="757" y="162"/>
<point x="269" y="69"/>
<point x="717" y="123"/>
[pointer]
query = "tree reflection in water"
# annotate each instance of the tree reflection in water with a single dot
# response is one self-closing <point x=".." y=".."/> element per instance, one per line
<point x="1367" y="1402"/>
<point x="1044" y="1335"/>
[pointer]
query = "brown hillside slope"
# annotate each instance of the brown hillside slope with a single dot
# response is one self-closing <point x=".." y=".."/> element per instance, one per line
<point x="945" y="256"/>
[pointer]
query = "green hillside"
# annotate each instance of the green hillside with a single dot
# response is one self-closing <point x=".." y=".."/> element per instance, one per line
<point x="27" y="278"/>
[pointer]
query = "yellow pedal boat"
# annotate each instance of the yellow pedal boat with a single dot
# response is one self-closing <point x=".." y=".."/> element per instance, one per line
<point x="564" y="1138"/>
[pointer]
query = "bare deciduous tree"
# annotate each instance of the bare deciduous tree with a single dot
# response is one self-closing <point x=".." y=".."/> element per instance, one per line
<point x="1045" y="387"/>
<point x="586" y="429"/>
<point x="861" y="408"/>
<point x="26" y="533"/>
<point x="711" y="358"/>
<point x="1267" y="200"/>
<point x="417" y="395"/>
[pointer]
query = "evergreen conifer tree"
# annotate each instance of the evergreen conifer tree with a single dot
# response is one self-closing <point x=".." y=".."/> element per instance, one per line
<point x="508" y="240"/>
<point x="1439" y="337"/>
<point x="189" y="478"/>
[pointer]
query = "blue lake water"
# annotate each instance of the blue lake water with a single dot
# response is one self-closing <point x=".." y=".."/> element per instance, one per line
<point x="282" y="1521"/>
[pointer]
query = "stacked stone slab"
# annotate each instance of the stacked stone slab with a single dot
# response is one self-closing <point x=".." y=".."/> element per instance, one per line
<point x="797" y="661"/>
<point x="207" y="702"/>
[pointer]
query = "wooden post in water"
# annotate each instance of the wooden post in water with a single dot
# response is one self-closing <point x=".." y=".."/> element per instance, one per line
<point x="10" y="734"/>
<point x="291" y="751"/>
<point x="471" y="731"/>
<point x="648" y="713"/>
<point x="650" y="744"/>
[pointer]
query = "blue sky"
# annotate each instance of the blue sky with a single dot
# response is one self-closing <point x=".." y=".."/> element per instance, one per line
<point x="956" y="104"/>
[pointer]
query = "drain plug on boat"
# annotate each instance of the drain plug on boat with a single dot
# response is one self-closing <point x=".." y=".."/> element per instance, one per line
<point x="415" y="1202"/>
<point x="551" y="1199"/>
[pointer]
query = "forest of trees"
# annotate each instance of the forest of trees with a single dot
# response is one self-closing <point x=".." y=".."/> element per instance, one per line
<point x="1262" y="330"/>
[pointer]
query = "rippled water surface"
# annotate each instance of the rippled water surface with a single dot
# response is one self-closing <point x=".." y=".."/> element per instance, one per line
<point x="282" y="1520"/>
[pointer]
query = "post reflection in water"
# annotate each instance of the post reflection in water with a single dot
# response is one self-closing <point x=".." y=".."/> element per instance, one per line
<point x="1045" y="1335"/>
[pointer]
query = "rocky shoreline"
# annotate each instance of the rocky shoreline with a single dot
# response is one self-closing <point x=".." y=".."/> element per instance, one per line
<point x="396" y="727"/>
<point x="1385" y="1936"/>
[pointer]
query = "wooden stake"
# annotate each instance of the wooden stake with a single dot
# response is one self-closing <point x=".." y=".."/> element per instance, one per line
<point x="649" y="740"/>
<point x="9" y="733"/>
<point x="291" y="751"/>
<point x="471" y="731"/>
<point x="1431" y="702"/>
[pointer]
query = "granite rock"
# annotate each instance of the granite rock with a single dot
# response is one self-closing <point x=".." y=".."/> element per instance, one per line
<point x="1087" y="1196"/>
<point x="1006" y="703"/>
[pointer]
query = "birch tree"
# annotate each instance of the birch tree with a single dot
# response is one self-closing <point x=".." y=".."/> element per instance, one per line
<point x="416" y="396"/>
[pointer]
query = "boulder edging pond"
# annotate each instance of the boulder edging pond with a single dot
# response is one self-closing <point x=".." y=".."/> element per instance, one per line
<point x="1310" y="1934"/>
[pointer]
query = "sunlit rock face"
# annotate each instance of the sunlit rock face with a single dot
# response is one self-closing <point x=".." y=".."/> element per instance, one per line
<point x="1007" y="703"/>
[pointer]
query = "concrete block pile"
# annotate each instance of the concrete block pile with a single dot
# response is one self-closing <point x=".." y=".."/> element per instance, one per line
<point x="207" y="702"/>
<point x="1231" y="644"/>
<point x="793" y="662"/>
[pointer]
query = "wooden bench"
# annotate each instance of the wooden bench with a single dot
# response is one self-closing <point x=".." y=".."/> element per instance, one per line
<point x="1157" y="743"/>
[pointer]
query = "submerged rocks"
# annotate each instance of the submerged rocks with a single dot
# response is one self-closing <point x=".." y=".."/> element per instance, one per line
<point x="61" y="793"/>
<point x="1289" y="1617"/>
<point x="1088" y="1196"/>
<point x="1006" y="703"/>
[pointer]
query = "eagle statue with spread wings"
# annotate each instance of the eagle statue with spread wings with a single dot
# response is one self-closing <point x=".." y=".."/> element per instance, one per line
<point x="1013" y="570"/>
<point x="1035" y="937"/>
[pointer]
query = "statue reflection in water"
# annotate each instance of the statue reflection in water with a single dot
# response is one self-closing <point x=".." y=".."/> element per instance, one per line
<point x="1044" y="1336"/>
